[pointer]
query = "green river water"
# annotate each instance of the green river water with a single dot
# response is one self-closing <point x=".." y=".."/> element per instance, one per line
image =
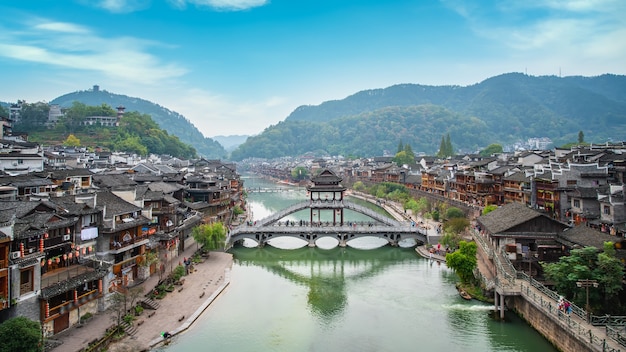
<point x="361" y="299"/>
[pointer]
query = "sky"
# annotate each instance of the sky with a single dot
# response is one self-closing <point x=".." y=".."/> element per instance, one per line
<point x="235" y="67"/>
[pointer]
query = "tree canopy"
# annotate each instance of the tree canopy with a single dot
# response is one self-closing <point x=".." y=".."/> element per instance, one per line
<point x="210" y="236"/>
<point x="20" y="334"/>
<point x="491" y="150"/>
<point x="463" y="261"/>
<point x="589" y="263"/>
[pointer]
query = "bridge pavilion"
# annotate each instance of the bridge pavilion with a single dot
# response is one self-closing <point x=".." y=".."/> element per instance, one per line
<point x="326" y="190"/>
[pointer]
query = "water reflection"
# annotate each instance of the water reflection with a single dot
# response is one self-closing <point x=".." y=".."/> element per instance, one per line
<point x="325" y="273"/>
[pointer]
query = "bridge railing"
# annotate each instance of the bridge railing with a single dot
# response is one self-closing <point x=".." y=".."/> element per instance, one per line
<point x="578" y="329"/>
<point x="483" y="244"/>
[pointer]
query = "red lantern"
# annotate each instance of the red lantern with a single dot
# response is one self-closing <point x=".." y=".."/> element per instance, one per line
<point x="49" y="261"/>
<point x="57" y="260"/>
<point x="21" y="249"/>
<point x="43" y="262"/>
<point x="41" y="244"/>
<point x="45" y="235"/>
<point x="64" y="256"/>
<point x="69" y="255"/>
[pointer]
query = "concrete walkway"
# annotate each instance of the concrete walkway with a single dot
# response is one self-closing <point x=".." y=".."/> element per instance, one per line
<point x="177" y="311"/>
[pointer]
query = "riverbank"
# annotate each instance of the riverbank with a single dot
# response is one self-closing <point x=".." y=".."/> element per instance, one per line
<point x="177" y="311"/>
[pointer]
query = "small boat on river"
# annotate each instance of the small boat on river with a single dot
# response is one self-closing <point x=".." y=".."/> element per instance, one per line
<point x="464" y="294"/>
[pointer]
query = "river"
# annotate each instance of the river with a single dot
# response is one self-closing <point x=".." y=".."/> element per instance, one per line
<point x="296" y="298"/>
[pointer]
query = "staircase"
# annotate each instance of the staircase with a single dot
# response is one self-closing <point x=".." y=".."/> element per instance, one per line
<point x="130" y="330"/>
<point x="150" y="304"/>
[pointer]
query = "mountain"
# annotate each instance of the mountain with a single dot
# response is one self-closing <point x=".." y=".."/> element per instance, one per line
<point x="171" y="121"/>
<point x="503" y="109"/>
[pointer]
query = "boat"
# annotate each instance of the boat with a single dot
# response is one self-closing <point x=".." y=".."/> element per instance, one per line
<point x="465" y="295"/>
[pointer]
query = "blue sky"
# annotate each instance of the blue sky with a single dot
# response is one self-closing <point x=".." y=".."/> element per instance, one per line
<point x="238" y="66"/>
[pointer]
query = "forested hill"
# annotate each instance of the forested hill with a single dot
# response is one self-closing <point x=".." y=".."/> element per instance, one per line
<point x="171" y="121"/>
<point x="502" y="109"/>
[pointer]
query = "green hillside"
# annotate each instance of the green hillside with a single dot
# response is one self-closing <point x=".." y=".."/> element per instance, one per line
<point x="502" y="109"/>
<point x="174" y="123"/>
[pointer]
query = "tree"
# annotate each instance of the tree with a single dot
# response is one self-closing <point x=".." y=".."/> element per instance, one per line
<point x="400" y="147"/>
<point x="588" y="263"/>
<point x="442" y="148"/>
<point x="33" y="117"/>
<point x="20" y="334"/>
<point x="71" y="141"/>
<point x="454" y="212"/>
<point x="299" y="173"/>
<point x="210" y="236"/>
<point x="403" y="158"/>
<point x="489" y="208"/>
<point x="491" y="150"/>
<point x="581" y="137"/>
<point x="358" y="186"/>
<point x="452" y="230"/>
<point x="463" y="261"/>
<point x="449" y="148"/>
<point x="445" y="147"/>
<point x="117" y="303"/>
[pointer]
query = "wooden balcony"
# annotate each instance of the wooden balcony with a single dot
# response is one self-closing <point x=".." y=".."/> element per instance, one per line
<point x="61" y="274"/>
<point x="122" y="246"/>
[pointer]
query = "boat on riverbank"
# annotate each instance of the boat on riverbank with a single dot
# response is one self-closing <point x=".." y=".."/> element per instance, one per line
<point x="464" y="295"/>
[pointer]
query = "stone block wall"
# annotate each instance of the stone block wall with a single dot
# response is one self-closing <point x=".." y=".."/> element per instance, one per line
<point x="551" y="329"/>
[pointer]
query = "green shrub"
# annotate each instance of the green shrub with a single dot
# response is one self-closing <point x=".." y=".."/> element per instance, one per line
<point x="128" y="318"/>
<point x="179" y="272"/>
<point x="85" y="317"/>
<point x="138" y="309"/>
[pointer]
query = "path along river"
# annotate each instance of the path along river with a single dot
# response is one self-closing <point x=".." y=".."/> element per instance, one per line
<point x="344" y="299"/>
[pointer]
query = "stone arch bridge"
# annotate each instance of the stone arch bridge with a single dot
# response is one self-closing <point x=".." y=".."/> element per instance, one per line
<point x="272" y="227"/>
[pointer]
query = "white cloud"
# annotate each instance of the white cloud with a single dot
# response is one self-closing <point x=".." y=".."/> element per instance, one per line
<point x="62" y="27"/>
<point x="66" y="45"/>
<point x="225" y="5"/>
<point x="119" y="6"/>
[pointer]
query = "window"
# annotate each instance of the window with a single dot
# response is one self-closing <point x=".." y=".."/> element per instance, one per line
<point x="572" y="182"/>
<point x="576" y="203"/>
<point x="20" y="161"/>
<point x="607" y="210"/>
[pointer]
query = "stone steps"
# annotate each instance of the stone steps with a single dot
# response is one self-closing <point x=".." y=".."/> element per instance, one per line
<point x="129" y="329"/>
<point x="150" y="304"/>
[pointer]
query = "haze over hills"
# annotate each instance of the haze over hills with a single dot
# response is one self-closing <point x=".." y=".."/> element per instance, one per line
<point x="503" y="109"/>
<point x="171" y="121"/>
<point x="230" y="142"/>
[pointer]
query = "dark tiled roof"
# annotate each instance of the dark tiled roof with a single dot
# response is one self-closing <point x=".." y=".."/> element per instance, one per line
<point x="114" y="204"/>
<point x="109" y="181"/>
<point x="507" y="216"/>
<point x="585" y="237"/>
<point x="518" y="176"/>
<point x="165" y="187"/>
<point x="63" y="174"/>
<point x="585" y="192"/>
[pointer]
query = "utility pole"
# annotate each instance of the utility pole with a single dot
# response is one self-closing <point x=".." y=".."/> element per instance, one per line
<point x="586" y="283"/>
